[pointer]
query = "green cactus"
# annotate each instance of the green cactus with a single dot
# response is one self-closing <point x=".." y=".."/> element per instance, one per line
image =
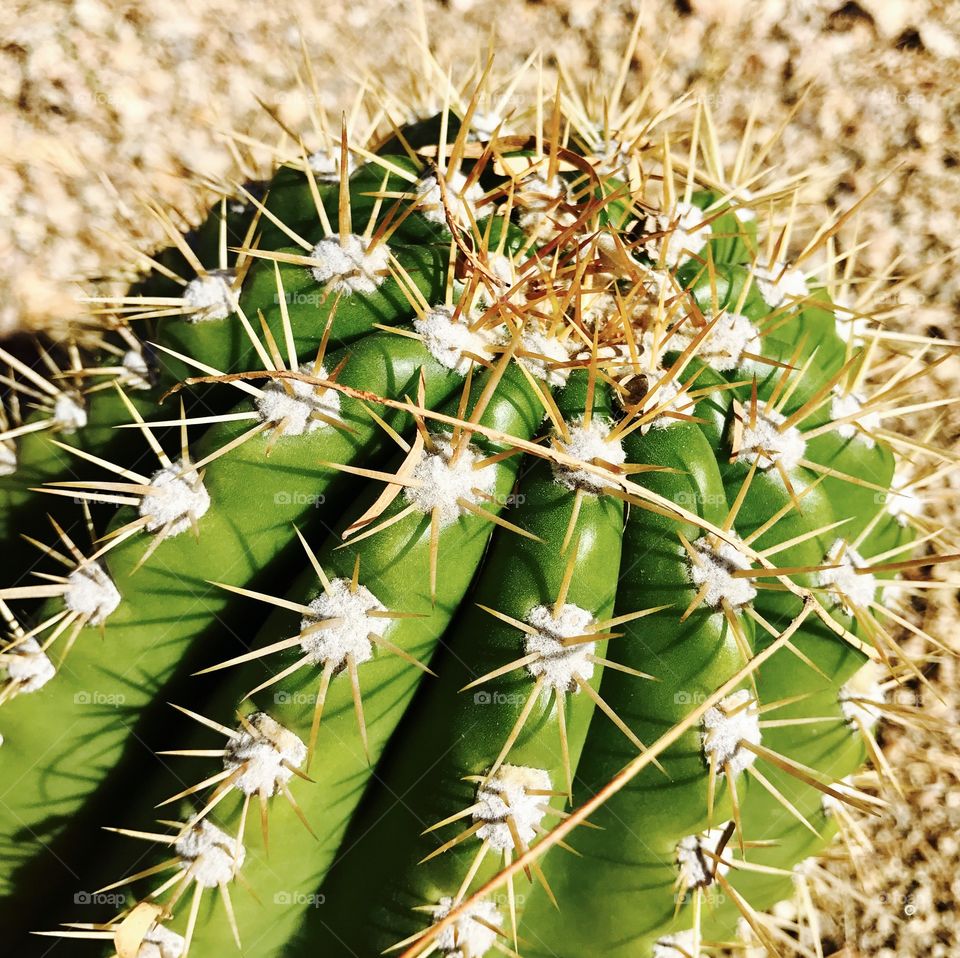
<point x="502" y="492"/>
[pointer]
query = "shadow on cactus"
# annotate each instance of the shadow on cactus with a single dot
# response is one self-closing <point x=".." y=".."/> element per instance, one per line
<point x="482" y="538"/>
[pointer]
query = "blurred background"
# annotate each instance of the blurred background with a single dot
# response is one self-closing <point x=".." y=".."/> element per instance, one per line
<point x="105" y="104"/>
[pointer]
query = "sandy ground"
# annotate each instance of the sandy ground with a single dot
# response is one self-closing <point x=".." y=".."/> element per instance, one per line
<point x="102" y="104"/>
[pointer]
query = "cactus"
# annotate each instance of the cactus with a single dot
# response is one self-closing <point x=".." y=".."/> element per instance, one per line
<point x="458" y="495"/>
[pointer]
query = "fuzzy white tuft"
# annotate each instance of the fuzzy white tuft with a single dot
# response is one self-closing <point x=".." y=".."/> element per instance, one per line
<point x="293" y="403"/>
<point x="354" y="267"/>
<point x="685" y="234"/>
<point x="717" y="561"/>
<point x="460" y="198"/>
<point x="507" y="796"/>
<point x="616" y="254"/>
<point x="763" y="441"/>
<point x="679" y="945"/>
<point x="28" y="666"/>
<point x="638" y="377"/>
<point x="448" y="340"/>
<point x="723" y="347"/>
<point x="852" y="328"/>
<point x="211" y="855"/>
<point x="597" y="309"/>
<point x="351" y="634"/>
<point x="726" y="726"/>
<point x="8" y="459"/>
<point x="137" y="372"/>
<point x="545" y="354"/>
<point x="466" y="936"/>
<point x="743" y="213"/>
<point x="441" y="483"/>
<point x="695" y="865"/>
<point x="177" y="500"/>
<point x="69" y="413"/>
<point x="902" y="502"/>
<point x="325" y="165"/>
<point x="484" y="124"/>
<point x="664" y="399"/>
<point x="617" y="361"/>
<point x="560" y="665"/>
<point x="160" y="942"/>
<point x="849" y="404"/>
<point x="91" y="593"/>
<point x="613" y="157"/>
<point x="266" y="751"/>
<point x="903" y="505"/>
<point x="589" y="443"/>
<point x="210" y="297"/>
<point x="540" y="203"/>
<point x="831" y="805"/>
<point x="777" y="282"/>
<point x="866" y="684"/>
<point x="502" y="269"/>
<point x="853" y="590"/>
<point x="536" y="193"/>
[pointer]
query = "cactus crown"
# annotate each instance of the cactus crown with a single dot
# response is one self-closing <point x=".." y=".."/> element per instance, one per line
<point x="511" y="493"/>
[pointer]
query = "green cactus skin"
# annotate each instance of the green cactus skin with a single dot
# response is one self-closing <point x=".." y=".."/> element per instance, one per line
<point x="691" y="658"/>
<point x="389" y="565"/>
<point x="619" y="873"/>
<point x="450" y="738"/>
<point x="207" y="341"/>
<point x="486" y="524"/>
<point x="286" y="493"/>
<point x="22" y="511"/>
